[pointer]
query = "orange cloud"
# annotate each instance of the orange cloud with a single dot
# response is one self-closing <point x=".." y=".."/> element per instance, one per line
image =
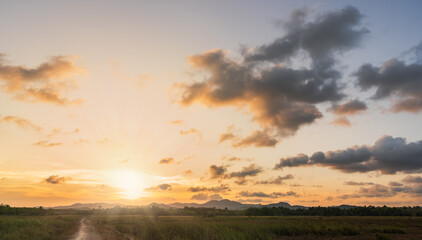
<point x="47" y="144"/>
<point x="56" y="179"/>
<point x="168" y="160"/>
<point x="45" y="83"/>
<point x="20" y="122"/>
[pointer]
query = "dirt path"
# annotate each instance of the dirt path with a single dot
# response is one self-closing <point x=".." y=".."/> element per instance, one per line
<point x="86" y="231"/>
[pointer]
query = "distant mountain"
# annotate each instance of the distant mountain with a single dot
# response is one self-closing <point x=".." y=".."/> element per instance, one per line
<point x="346" y="207"/>
<point x="232" y="205"/>
<point x="219" y="204"/>
<point x="87" y="206"/>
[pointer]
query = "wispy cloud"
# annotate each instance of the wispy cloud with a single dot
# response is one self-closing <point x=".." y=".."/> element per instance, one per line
<point x="20" y="122"/>
<point x="46" y="143"/>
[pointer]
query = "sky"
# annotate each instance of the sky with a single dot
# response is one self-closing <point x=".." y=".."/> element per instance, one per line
<point x="314" y="103"/>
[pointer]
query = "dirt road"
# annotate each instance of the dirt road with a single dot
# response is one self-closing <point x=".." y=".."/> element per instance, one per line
<point x="86" y="231"/>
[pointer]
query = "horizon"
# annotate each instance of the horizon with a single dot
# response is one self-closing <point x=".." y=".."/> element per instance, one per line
<point x="312" y="103"/>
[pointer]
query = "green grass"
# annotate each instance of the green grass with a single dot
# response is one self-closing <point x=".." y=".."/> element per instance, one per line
<point x="37" y="227"/>
<point x="141" y="227"/>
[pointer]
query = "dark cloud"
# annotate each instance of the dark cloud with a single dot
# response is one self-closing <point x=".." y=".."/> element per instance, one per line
<point x="45" y="83"/>
<point x="232" y="159"/>
<point x="278" y="180"/>
<point x="217" y="171"/>
<point x="382" y="191"/>
<point x="397" y="80"/>
<point x="221" y="188"/>
<point x="47" y="144"/>
<point x="56" y="179"/>
<point x="251" y="170"/>
<point x="163" y="187"/>
<point x="279" y="97"/>
<point x="349" y="108"/>
<point x="266" y="195"/>
<point x="395" y="184"/>
<point x="258" y="139"/>
<point x="168" y="160"/>
<point x="353" y="183"/>
<point x="20" y="122"/>
<point x="412" y="179"/>
<point x="388" y="155"/>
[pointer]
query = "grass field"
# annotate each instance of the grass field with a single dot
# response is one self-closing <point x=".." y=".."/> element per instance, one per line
<point x="165" y="227"/>
<point x="37" y="227"/>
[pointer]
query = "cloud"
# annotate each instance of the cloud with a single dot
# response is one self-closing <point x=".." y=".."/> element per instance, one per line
<point x="278" y="180"/>
<point x="215" y="197"/>
<point x="341" y="121"/>
<point x="168" y="160"/>
<point x="45" y="83"/>
<point x="349" y="108"/>
<point x="251" y="170"/>
<point x="217" y="171"/>
<point x="397" y="80"/>
<point x="226" y="136"/>
<point x="231" y="159"/>
<point x="200" y="197"/>
<point x="412" y="179"/>
<point x="57" y="131"/>
<point x="47" y="144"/>
<point x="221" y="188"/>
<point x="266" y="195"/>
<point x="388" y="155"/>
<point x="258" y="139"/>
<point x="382" y="191"/>
<point x="176" y="122"/>
<point x="279" y="97"/>
<point x="395" y="184"/>
<point x="188" y="172"/>
<point x="353" y="183"/>
<point x="163" y="187"/>
<point x="56" y="179"/>
<point x="20" y="122"/>
<point x="192" y="131"/>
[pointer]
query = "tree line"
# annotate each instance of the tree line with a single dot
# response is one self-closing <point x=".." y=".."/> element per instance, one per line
<point x="210" y="212"/>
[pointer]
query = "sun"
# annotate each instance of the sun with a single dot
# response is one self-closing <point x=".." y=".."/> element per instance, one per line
<point x="130" y="182"/>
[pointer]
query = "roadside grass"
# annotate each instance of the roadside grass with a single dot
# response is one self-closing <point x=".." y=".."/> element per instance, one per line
<point x="38" y="227"/>
<point x="178" y="227"/>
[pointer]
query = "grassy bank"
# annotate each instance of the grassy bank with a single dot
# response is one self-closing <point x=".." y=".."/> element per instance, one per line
<point x="165" y="227"/>
<point x="37" y="227"/>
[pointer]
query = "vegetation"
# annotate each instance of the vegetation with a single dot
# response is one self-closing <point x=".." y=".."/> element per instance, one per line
<point x="37" y="227"/>
<point x="210" y="223"/>
<point x="187" y="227"/>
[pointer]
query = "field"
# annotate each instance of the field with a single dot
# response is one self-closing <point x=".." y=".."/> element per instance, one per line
<point x="167" y="227"/>
<point x="38" y="227"/>
<point x="112" y="227"/>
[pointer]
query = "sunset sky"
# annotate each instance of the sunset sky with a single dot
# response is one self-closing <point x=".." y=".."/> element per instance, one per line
<point x="314" y="103"/>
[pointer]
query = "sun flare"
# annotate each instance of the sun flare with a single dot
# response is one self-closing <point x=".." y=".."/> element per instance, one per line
<point x="130" y="182"/>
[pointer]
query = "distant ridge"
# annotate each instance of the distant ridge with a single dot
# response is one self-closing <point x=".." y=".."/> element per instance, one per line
<point x="219" y="204"/>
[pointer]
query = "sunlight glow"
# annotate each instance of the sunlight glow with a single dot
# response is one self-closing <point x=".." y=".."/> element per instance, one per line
<point x="131" y="182"/>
